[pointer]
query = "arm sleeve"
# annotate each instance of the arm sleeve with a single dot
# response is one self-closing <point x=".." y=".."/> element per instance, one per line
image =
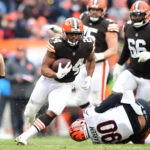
<point x="109" y="102"/>
<point x="125" y="54"/>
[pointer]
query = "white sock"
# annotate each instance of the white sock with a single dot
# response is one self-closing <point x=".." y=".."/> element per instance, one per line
<point x="147" y="140"/>
<point x="29" y="133"/>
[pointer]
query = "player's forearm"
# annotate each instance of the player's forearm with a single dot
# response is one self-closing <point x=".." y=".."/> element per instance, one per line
<point x="47" y="72"/>
<point x="90" y="66"/>
<point x="110" y="52"/>
<point x="104" y="55"/>
<point x="124" y="55"/>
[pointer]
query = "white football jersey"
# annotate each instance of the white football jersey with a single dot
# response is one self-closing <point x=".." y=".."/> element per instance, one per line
<point x="111" y="126"/>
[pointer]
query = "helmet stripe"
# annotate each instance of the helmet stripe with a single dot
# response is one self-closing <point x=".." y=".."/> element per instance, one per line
<point x="137" y="5"/>
<point x="95" y="2"/>
<point x="75" y="23"/>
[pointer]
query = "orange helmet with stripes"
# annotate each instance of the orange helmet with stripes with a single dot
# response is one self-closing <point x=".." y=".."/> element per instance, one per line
<point x="72" y="26"/>
<point x="139" y="13"/>
<point x="78" y="130"/>
<point x="99" y="5"/>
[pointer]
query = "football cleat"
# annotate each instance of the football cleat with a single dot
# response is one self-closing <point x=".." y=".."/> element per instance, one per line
<point x="20" y="141"/>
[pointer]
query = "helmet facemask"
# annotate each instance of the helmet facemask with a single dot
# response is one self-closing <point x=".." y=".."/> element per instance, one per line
<point x="139" y="13"/>
<point x="138" y="19"/>
<point x="73" y="38"/>
<point x="96" y="14"/>
<point x="72" y="30"/>
<point x="97" y="9"/>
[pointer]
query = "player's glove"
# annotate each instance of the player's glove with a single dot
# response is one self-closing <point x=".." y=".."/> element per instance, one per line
<point x="87" y="83"/>
<point x="55" y="28"/>
<point x="99" y="56"/>
<point x="63" y="71"/>
<point x="116" y="72"/>
<point x="143" y="56"/>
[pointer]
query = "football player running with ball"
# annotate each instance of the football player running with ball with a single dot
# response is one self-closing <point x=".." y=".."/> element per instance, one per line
<point x="56" y="86"/>
<point x="137" y="49"/>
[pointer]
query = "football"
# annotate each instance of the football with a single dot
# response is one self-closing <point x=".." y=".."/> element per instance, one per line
<point x="63" y="61"/>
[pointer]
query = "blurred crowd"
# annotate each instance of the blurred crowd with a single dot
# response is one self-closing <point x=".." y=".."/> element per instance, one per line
<point x="31" y="18"/>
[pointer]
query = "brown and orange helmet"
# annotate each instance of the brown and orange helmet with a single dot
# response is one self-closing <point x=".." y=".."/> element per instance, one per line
<point x="72" y="26"/>
<point x="97" y="4"/>
<point x="139" y="13"/>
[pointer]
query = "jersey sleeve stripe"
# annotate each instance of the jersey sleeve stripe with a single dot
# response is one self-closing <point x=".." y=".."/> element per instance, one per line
<point x="51" y="49"/>
<point x="113" y="27"/>
<point x="50" y="45"/>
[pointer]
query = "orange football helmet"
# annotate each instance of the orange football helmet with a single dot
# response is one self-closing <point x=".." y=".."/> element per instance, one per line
<point x="97" y="4"/>
<point x="139" y="13"/>
<point x="72" y="26"/>
<point x="78" y="130"/>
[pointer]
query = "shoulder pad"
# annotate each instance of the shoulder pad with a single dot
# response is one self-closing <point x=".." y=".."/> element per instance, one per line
<point x="129" y="22"/>
<point x="109" y="20"/>
<point x="87" y="39"/>
<point x="86" y="13"/>
<point x="56" y="39"/>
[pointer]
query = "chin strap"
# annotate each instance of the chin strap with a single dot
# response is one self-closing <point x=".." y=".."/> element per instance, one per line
<point x="71" y="43"/>
<point x="94" y="19"/>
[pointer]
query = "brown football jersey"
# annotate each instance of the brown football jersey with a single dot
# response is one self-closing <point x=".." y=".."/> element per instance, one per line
<point x="136" y="40"/>
<point x="76" y="54"/>
<point x="97" y="30"/>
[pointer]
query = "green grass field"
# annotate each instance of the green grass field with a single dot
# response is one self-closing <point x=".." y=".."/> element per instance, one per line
<point x="65" y="143"/>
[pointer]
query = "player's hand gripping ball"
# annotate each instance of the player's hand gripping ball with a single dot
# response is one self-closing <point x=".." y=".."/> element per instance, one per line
<point x="63" y="61"/>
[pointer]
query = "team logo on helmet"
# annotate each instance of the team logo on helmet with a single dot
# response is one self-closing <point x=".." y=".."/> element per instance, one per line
<point x="72" y="26"/>
<point x="78" y="130"/>
<point x="139" y="13"/>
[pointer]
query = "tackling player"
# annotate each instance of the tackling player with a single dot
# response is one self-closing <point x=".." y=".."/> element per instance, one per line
<point x="56" y="86"/>
<point x="119" y="119"/>
<point x="137" y="49"/>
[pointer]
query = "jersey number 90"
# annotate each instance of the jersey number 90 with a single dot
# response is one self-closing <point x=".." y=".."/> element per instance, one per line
<point x="108" y="131"/>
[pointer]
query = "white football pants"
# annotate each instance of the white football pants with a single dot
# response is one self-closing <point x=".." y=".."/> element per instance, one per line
<point x="128" y="81"/>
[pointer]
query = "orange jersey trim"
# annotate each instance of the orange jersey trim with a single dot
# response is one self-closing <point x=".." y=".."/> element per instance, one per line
<point x="113" y="27"/>
<point x="50" y="47"/>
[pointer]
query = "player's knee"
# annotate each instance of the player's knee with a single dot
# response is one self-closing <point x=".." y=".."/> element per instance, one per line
<point x="83" y="103"/>
<point x="30" y="110"/>
<point x="95" y="99"/>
